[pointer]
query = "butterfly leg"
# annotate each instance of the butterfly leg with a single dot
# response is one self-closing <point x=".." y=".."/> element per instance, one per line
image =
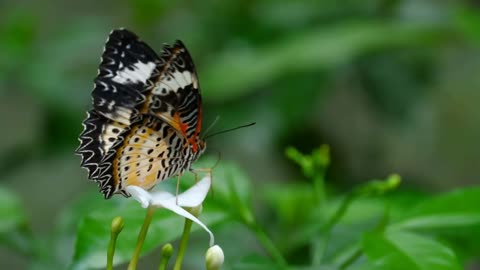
<point x="178" y="187"/>
<point x="209" y="171"/>
<point x="195" y="174"/>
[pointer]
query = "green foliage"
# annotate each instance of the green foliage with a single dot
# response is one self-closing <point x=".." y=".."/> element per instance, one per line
<point x="336" y="231"/>
<point x="444" y="214"/>
<point x="14" y="231"/>
<point x="416" y="239"/>
<point x="232" y="189"/>
<point x="401" y="250"/>
<point x="12" y="214"/>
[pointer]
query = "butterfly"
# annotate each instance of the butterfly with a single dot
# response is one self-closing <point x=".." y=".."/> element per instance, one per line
<point x="145" y="123"/>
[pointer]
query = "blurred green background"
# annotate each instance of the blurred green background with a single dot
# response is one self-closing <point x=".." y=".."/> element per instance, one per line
<point x="390" y="85"/>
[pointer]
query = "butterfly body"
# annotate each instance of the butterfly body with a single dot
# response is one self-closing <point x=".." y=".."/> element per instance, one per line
<point x="146" y="118"/>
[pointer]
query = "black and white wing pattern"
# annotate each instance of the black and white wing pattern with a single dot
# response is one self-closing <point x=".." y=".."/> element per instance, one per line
<point x="146" y="118"/>
<point x="126" y="66"/>
<point x="174" y="92"/>
<point x="98" y="136"/>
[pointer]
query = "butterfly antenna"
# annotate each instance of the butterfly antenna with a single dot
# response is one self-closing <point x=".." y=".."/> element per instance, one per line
<point x="230" y="129"/>
<point x="211" y="125"/>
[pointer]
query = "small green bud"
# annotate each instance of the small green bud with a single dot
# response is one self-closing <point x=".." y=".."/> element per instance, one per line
<point x="167" y="251"/>
<point x="393" y="181"/>
<point x="117" y="225"/>
<point x="214" y="258"/>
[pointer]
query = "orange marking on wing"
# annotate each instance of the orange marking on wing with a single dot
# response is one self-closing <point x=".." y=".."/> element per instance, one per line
<point x="181" y="126"/>
<point x="193" y="140"/>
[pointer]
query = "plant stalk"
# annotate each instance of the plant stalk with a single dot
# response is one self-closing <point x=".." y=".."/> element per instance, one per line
<point x="268" y="244"/>
<point x="183" y="244"/>
<point x="141" y="238"/>
<point x="111" y="250"/>
<point x="163" y="264"/>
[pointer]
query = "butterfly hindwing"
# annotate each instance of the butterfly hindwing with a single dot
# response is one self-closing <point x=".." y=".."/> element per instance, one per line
<point x="147" y="152"/>
<point x="99" y="134"/>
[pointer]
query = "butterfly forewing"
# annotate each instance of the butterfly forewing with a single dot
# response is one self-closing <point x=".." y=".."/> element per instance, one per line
<point x="127" y="63"/>
<point x="174" y="93"/>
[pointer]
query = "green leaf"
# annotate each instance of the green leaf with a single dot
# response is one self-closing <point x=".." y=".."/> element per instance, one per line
<point x="291" y="202"/>
<point x="12" y="214"/>
<point x="402" y="250"/>
<point x="454" y="216"/>
<point x="257" y="262"/>
<point x="230" y="183"/>
<point x="254" y="262"/>
<point x="231" y="187"/>
<point x="447" y="213"/>
<point x="468" y="21"/>
<point x="13" y="222"/>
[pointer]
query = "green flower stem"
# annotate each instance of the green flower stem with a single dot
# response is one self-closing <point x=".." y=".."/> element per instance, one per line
<point x="183" y="244"/>
<point x="319" y="188"/>
<point x="372" y="188"/>
<point x="350" y="260"/>
<point x="268" y="244"/>
<point x="141" y="238"/>
<point x="167" y="251"/>
<point x="248" y="219"/>
<point x="380" y="227"/>
<point x="116" y="228"/>
<point x="321" y="242"/>
<point x="163" y="264"/>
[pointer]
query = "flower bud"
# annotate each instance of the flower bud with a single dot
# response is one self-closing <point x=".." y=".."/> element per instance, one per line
<point x="167" y="251"/>
<point x="117" y="225"/>
<point x="214" y="258"/>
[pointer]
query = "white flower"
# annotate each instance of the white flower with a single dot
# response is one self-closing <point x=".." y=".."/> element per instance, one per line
<point x="192" y="197"/>
<point x="214" y="258"/>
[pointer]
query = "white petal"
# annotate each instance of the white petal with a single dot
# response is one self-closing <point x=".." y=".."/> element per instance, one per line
<point x="161" y="195"/>
<point x="140" y="195"/>
<point x="192" y="197"/>
<point x="172" y="206"/>
<point x="195" y="195"/>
